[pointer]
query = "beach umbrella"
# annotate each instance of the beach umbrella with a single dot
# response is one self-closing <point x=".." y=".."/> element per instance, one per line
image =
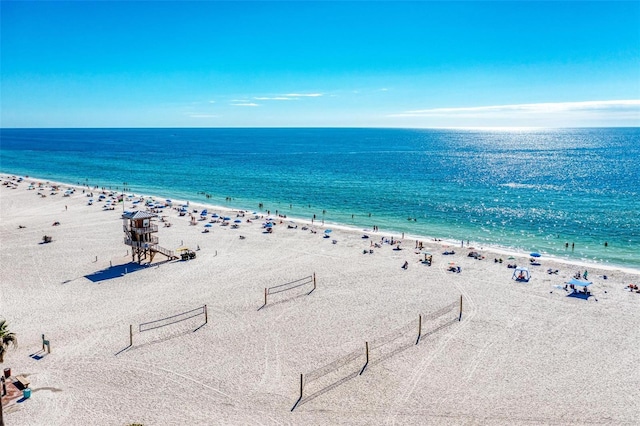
<point x="237" y="221"/>
<point x="203" y="212"/>
<point x="208" y="225"/>
<point x="215" y="215"/>
<point x="226" y="218"/>
<point x="268" y="225"/>
<point x="327" y="231"/>
<point x="535" y="254"/>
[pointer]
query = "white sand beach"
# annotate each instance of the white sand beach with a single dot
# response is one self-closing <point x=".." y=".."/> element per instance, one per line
<point x="522" y="353"/>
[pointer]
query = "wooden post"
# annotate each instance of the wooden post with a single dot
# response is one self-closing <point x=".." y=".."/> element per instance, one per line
<point x="314" y="280"/>
<point x="419" y="328"/>
<point x="301" y="385"/>
<point x="300" y="397"/>
<point x="265" y="296"/>
<point x="366" y="346"/>
<point x="43" y="342"/>
<point x="130" y="334"/>
<point x="206" y="316"/>
<point x="460" y="315"/>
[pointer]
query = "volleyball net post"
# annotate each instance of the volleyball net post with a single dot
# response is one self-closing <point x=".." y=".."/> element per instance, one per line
<point x="460" y="314"/>
<point x="419" y="329"/>
<point x="130" y="334"/>
<point x="366" y="352"/>
<point x="300" y="397"/>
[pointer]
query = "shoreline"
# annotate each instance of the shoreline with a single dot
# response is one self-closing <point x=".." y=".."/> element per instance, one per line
<point x="444" y="243"/>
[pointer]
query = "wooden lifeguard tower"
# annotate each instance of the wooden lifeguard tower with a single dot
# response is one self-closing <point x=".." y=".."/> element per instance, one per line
<point x="138" y="231"/>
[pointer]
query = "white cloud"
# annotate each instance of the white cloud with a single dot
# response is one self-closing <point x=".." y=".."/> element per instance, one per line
<point x="212" y="102"/>
<point x="303" y="95"/>
<point x="276" y="98"/>
<point x="546" y="114"/>
<point x="616" y="106"/>
<point x="246" y="104"/>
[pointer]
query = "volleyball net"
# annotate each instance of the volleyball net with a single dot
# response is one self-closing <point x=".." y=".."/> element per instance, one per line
<point x="375" y="351"/>
<point x="309" y="281"/>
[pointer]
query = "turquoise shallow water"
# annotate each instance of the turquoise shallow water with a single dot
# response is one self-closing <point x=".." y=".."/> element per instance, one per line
<point x="524" y="190"/>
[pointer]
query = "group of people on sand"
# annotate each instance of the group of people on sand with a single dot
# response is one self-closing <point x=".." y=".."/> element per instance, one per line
<point x="573" y="288"/>
<point x="578" y="275"/>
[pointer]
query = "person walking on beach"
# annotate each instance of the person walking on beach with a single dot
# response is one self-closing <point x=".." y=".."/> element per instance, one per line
<point x="406" y="265"/>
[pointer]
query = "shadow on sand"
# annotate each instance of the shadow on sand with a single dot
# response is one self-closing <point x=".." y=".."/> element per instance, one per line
<point x="114" y="272"/>
<point x="580" y="295"/>
<point x="120" y="270"/>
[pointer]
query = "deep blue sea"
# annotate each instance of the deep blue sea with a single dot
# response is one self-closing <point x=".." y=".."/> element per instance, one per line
<point x="526" y="190"/>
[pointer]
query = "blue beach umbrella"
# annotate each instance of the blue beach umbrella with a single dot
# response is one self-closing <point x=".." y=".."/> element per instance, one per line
<point x="535" y="254"/>
<point x="237" y="221"/>
<point x="327" y="231"/>
<point x="226" y="218"/>
<point x="208" y="225"/>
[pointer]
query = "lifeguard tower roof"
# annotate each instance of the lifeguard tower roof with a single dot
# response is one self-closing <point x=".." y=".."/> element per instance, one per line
<point x="138" y="215"/>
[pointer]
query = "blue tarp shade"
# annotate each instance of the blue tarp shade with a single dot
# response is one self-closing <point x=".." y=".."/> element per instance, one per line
<point x="579" y="283"/>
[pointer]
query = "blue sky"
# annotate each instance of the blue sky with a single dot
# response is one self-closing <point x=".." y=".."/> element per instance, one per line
<point x="320" y="64"/>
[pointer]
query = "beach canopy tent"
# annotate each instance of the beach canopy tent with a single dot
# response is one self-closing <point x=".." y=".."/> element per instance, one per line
<point x="579" y="283"/>
<point x="521" y="274"/>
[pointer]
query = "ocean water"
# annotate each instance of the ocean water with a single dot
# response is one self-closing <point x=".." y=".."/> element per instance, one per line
<point x="518" y="189"/>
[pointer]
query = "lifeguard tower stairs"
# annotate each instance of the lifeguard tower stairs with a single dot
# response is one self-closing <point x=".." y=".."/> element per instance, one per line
<point x="138" y="231"/>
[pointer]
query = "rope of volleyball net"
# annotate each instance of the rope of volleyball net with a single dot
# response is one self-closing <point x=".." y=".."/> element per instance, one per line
<point x="290" y="285"/>
<point x="183" y="316"/>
